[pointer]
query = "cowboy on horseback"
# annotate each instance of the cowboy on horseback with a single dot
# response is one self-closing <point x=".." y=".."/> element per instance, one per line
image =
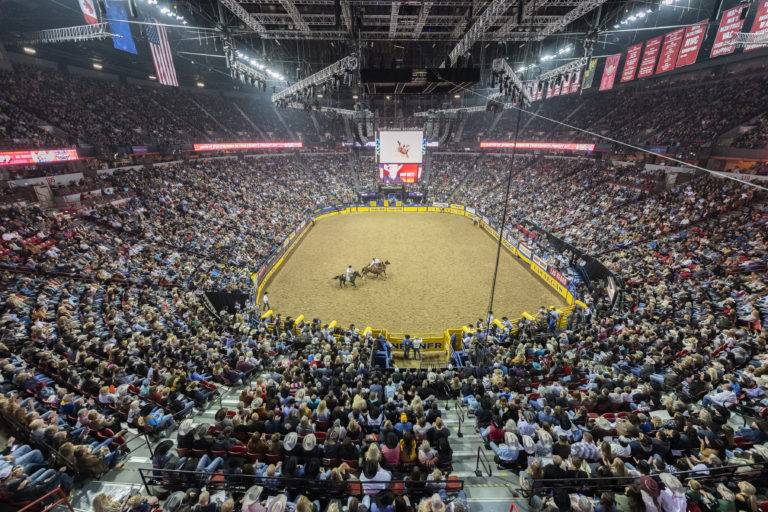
<point x="350" y="272"/>
<point x="375" y="262"/>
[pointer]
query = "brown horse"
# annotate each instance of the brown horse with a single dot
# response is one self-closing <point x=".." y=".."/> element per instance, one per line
<point x="377" y="270"/>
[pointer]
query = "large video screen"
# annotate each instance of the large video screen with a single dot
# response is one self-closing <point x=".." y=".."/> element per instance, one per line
<point x="405" y="147"/>
<point x="399" y="173"/>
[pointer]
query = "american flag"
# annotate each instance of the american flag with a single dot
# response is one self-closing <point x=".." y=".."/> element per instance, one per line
<point x="161" y="53"/>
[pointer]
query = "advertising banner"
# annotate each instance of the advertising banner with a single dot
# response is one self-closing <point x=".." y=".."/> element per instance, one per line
<point x="609" y="72"/>
<point x="589" y="74"/>
<point x="669" y="51"/>
<point x="45" y="156"/>
<point x="630" y="65"/>
<point x="561" y="146"/>
<point x="247" y="145"/>
<point x="399" y="173"/>
<point x="648" y="63"/>
<point x="539" y="261"/>
<point x="524" y="250"/>
<point x="557" y="275"/>
<point x="730" y="25"/>
<point x="760" y="25"/>
<point x="689" y="50"/>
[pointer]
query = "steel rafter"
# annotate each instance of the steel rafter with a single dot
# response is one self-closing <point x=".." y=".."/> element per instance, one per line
<point x="394" y="11"/>
<point x="291" y="9"/>
<point x="504" y="72"/>
<point x="323" y="76"/>
<point x="422" y="19"/>
<point x="478" y="29"/>
<point x="244" y="16"/>
<point x="564" y="69"/>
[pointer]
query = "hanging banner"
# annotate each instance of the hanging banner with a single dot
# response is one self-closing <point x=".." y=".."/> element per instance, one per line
<point x="609" y="72"/>
<point x="558" y="86"/>
<point x="669" y="51"/>
<point x="550" y="89"/>
<point x="689" y="50"/>
<point x="760" y="25"/>
<point x="117" y="14"/>
<point x="576" y="81"/>
<point x="630" y="65"/>
<point x="589" y="74"/>
<point x="649" y="57"/>
<point x="567" y="83"/>
<point x="730" y="25"/>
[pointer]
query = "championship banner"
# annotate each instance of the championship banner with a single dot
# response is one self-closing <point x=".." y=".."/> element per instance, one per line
<point x="649" y="57"/>
<point x="550" y="90"/>
<point x="567" y="83"/>
<point x="630" y="65"/>
<point x="540" y="94"/>
<point x="760" y="25"/>
<point x="609" y="72"/>
<point x="558" y="86"/>
<point x="589" y="74"/>
<point x="689" y="50"/>
<point x="669" y="51"/>
<point x="576" y="81"/>
<point x="730" y="25"/>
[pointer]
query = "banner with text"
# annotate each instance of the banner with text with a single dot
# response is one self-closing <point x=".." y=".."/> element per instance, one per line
<point x="630" y="65"/>
<point x="689" y="50"/>
<point x="760" y="25"/>
<point x="576" y="80"/>
<point x="589" y="74"/>
<point x="649" y="57"/>
<point x="566" y="84"/>
<point x="669" y="51"/>
<point x="730" y="25"/>
<point x="609" y="72"/>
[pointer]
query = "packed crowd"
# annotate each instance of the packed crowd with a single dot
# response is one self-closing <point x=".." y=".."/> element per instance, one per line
<point x="112" y="114"/>
<point x="755" y="137"/>
<point x="104" y="324"/>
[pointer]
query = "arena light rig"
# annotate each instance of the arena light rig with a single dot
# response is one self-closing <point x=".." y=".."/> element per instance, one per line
<point x="306" y="90"/>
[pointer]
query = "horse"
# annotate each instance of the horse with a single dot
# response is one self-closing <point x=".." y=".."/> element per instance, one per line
<point x="343" y="279"/>
<point x="377" y="270"/>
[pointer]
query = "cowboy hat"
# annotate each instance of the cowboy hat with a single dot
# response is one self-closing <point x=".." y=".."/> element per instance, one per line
<point x="671" y="482"/>
<point x="252" y="496"/>
<point x="186" y="427"/>
<point x="603" y="423"/>
<point x="277" y="504"/>
<point x="528" y="445"/>
<point x="290" y="441"/>
<point x="309" y="442"/>
<point x="650" y="486"/>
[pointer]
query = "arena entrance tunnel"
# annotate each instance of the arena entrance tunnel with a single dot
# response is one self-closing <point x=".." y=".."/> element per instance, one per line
<point x="442" y="259"/>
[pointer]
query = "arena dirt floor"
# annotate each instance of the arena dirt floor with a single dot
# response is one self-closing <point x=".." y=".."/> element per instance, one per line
<point x="439" y="278"/>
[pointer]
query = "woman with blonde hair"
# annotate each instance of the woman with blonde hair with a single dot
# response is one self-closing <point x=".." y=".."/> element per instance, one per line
<point x="322" y="413"/>
<point x="427" y="456"/>
<point x="104" y="503"/>
<point x="373" y="453"/>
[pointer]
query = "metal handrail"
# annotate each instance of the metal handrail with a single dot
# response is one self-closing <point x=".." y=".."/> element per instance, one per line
<point x="755" y="470"/>
<point x="461" y="417"/>
<point x="62" y="499"/>
<point x="482" y="460"/>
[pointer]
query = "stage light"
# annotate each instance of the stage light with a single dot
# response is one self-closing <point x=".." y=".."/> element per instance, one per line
<point x="354" y="96"/>
<point x="457" y="96"/>
<point x="98" y="66"/>
<point x="200" y="84"/>
<point x="152" y="77"/>
<point x="29" y="51"/>
<point x="319" y="95"/>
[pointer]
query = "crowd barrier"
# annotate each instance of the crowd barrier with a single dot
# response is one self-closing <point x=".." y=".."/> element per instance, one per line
<point x="237" y="484"/>
<point x="431" y="342"/>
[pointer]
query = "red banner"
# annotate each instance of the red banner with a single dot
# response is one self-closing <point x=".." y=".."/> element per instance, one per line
<point x="558" y="85"/>
<point x="760" y="25"/>
<point x="689" y="50"/>
<point x="730" y="25"/>
<point x="630" y="65"/>
<point x="576" y="81"/>
<point x="609" y="72"/>
<point x="557" y="275"/>
<point x="45" y="156"/>
<point x="550" y="89"/>
<point x="649" y="57"/>
<point x="563" y="146"/>
<point x="566" y="84"/>
<point x="669" y="51"/>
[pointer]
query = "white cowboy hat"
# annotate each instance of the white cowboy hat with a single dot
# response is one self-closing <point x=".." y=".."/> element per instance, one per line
<point x="252" y="496"/>
<point x="289" y="443"/>
<point x="671" y="482"/>
<point x="309" y="442"/>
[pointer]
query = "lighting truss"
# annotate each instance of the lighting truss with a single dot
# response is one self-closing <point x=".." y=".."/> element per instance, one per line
<point x="478" y="29"/>
<point x="746" y="39"/>
<point x="395" y="10"/>
<point x="450" y="112"/>
<point x="564" y="69"/>
<point x="248" y="74"/>
<point x="70" y="34"/>
<point x="244" y="16"/>
<point x="583" y="8"/>
<point x="509" y="83"/>
<point x="422" y="19"/>
<point x="339" y="70"/>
